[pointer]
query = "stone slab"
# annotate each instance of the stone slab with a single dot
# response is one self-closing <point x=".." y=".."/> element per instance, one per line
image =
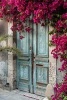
<point x="18" y="95"/>
<point x="49" y="91"/>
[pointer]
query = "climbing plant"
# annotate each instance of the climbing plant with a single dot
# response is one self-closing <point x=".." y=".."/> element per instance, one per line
<point x="8" y="48"/>
<point x="37" y="11"/>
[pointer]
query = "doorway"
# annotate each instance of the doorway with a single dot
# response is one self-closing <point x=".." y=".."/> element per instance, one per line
<point x="33" y="66"/>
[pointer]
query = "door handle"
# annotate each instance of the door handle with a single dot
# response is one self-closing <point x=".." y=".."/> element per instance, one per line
<point x="34" y="57"/>
<point x="39" y="64"/>
<point x="30" y="48"/>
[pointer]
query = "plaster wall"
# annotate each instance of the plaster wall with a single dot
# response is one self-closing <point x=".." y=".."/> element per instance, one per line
<point x="7" y="64"/>
<point x="52" y="63"/>
<point x="3" y="55"/>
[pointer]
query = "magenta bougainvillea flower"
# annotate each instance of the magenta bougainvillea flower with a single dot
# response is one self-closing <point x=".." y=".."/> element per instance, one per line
<point x="21" y="10"/>
<point x="64" y="16"/>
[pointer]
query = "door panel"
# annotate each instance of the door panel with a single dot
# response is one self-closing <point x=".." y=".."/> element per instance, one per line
<point x="24" y="76"/>
<point x="32" y="67"/>
<point x="25" y="44"/>
<point x="24" y="72"/>
<point x="24" y="64"/>
<point x="40" y="42"/>
<point x="41" y="78"/>
<point x="41" y="74"/>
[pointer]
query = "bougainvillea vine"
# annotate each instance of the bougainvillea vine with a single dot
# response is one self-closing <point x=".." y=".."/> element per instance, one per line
<point x="20" y="10"/>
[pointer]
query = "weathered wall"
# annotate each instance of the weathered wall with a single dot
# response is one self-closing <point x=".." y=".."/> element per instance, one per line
<point x="54" y="74"/>
<point x="3" y="55"/>
<point x="59" y="75"/>
<point x="52" y="63"/>
<point x="11" y="63"/>
<point x="7" y="64"/>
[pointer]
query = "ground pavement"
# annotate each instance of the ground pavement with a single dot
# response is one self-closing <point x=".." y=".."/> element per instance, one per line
<point x="18" y="95"/>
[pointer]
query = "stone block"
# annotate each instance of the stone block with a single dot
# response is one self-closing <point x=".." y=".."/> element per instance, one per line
<point x="49" y="91"/>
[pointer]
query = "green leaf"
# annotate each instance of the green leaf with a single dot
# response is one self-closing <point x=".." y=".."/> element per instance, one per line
<point x="11" y="49"/>
<point x="4" y="37"/>
<point x="51" y="44"/>
<point x="65" y="98"/>
<point x="7" y="48"/>
<point x="52" y="32"/>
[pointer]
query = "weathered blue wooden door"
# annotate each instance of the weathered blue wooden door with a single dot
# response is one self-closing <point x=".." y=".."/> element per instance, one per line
<point x="32" y="67"/>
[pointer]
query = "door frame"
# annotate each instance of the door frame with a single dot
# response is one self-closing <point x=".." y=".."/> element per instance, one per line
<point x="51" y="79"/>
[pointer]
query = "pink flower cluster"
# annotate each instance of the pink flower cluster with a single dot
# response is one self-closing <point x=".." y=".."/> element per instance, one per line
<point x="60" y="50"/>
<point x="60" y="41"/>
<point x="61" y="24"/>
<point x="22" y="10"/>
<point x="60" y="90"/>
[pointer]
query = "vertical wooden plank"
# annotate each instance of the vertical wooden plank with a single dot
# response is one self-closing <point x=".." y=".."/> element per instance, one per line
<point x="34" y="51"/>
<point x="25" y="63"/>
<point x="40" y="43"/>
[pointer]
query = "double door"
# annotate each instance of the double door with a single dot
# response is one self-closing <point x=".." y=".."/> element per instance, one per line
<point x="33" y="66"/>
